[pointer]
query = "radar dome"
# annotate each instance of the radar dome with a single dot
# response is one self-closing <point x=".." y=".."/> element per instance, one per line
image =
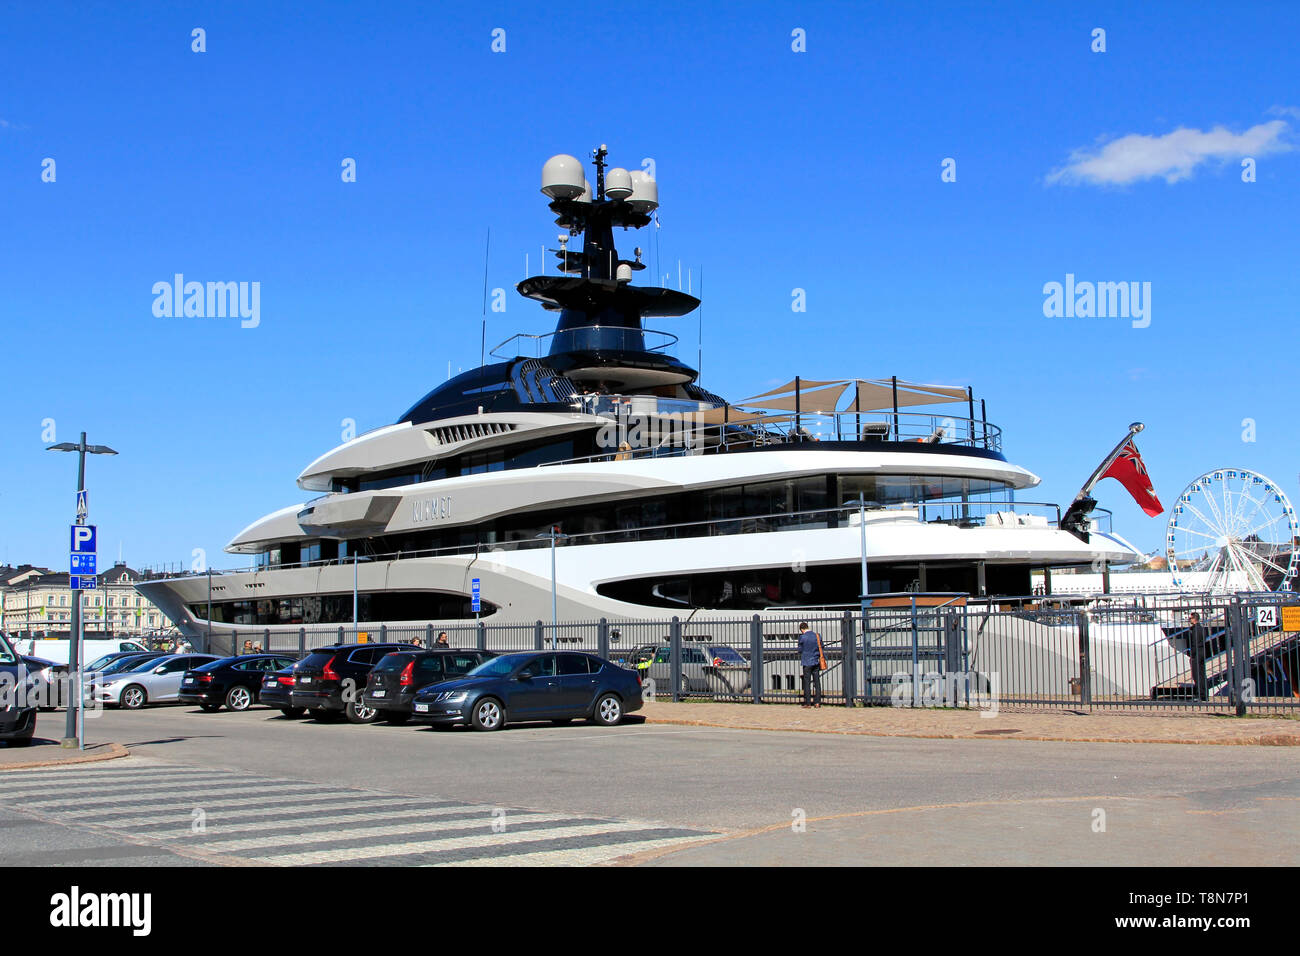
<point x="645" y="192"/>
<point x="618" y="183"/>
<point x="562" y="177"/>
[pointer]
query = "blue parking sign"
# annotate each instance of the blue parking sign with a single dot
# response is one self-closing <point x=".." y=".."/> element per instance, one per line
<point x="83" y="539"/>
<point x="476" y="606"/>
<point x="82" y="563"/>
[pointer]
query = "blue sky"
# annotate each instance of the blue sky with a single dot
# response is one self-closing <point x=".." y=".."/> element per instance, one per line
<point x="777" y="170"/>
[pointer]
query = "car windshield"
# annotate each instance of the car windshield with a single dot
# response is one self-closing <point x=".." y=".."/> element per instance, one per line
<point x="99" y="663"/>
<point x="147" y="664"/>
<point x="499" y="666"/>
<point x="7" y="655"/>
<point x="123" y="664"/>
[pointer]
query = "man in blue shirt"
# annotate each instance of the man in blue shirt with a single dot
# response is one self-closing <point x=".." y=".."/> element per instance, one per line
<point x="810" y="656"/>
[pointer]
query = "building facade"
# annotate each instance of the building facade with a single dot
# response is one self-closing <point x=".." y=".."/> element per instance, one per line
<point x="35" y="602"/>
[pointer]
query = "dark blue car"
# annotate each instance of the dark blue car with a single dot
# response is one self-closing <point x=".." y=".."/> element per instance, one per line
<point x="18" y="700"/>
<point x="537" y="685"/>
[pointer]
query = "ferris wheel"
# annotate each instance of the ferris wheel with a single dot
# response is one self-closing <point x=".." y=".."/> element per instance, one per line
<point x="1233" y="530"/>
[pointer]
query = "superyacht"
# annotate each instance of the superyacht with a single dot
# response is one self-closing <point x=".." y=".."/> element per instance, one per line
<point x="598" y="466"/>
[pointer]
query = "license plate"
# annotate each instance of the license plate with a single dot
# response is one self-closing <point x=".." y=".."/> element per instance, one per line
<point x="304" y="680"/>
<point x="422" y="708"/>
<point x="378" y="693"/>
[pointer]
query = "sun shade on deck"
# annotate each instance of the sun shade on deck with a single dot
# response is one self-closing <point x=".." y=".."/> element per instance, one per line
<point x="871" y="395"/>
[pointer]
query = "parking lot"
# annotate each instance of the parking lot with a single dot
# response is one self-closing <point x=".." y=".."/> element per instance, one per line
<point x="223" y="788"/>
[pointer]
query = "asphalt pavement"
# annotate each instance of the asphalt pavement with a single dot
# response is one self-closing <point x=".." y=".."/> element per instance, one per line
<point x="270" y="790"/>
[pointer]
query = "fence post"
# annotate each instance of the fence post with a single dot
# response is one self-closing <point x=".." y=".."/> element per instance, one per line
<point x="602" y="638"/>
<point x="383" y="633"/>
<point x="428" y="635"/>
<point x="756" y="658"/>
<point x="302" y="642"/>
<point x="482" y="636"/>
<point x="916" y="659"/>
<point x="341" y="634"/>
<point x="952" y="657"/>
<point x="1237" y="642"/>
<point x="675" y="656"/>
<point x="866" y="656"/>
<point x="539" y="637"/>
<point x="848" y="659"/>
<point x="1085" y="660"/>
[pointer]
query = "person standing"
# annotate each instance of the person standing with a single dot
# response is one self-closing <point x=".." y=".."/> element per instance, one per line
<point x="442" y="640"/>
<point x="810" y="657"/>
<point x="1196" y="651"/>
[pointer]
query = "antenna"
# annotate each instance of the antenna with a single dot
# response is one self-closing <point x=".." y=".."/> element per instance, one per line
<point x="699" y="356"/>
<point x="482" y="355"/>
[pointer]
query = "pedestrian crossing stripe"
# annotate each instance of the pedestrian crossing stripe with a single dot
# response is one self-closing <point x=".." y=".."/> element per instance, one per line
<point x="280" y="822"/>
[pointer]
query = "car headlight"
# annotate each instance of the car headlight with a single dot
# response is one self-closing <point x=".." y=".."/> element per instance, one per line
<point x="454" y="696"/>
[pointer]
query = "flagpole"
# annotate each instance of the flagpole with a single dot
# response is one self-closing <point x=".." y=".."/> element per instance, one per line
<point x="1108" y="461"/>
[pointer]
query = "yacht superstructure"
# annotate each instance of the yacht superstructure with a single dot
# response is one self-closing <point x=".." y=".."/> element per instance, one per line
<point x="659" y="497"/>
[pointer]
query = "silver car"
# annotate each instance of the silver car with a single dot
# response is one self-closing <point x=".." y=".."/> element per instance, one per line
<point x="706" y="669"/>
<point x="156" y="681"/>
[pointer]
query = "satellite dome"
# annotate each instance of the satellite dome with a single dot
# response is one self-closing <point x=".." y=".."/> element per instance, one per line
<point x="645" y="192"/>
<point x="618" y="183"/>
<point x="562" y="177"/>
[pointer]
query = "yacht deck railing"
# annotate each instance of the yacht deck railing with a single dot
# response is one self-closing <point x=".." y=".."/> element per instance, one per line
<point x="961" y="514"/>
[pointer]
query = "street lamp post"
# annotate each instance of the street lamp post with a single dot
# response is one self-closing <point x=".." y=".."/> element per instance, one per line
<point x="74" y="726"/>
<point x="355" y="626"/>
<point x="554" y="534"/>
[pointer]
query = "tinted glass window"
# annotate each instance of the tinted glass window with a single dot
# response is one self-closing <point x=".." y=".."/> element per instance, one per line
<point x="543" y="666"/>
<point x="317" y="659"/>
<point x="431" y="666"/>
<point x="662" y="656"/>
<point x="213" y="665"/>
<point x="393" y="662"/>
<point x="728" y="655"/>
<point x="460" y="663"/>
<point x="498" y="666"/>
<point x="572" y="664"/>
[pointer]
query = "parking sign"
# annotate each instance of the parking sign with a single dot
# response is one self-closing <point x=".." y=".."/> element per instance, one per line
<point x="83" y="539"/>
<point x="476" y="605"/>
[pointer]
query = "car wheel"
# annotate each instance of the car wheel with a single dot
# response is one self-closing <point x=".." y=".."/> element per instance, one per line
<point x="293" y="713"/>
<point x="239" y="698"/>
<point x="133" y="697"/>
<point x="395" y="716"/>
<point x="209" y="708"/>
<point x="489" y="714"/>
<point x="609" y="710"/>
<point x="359" y="713"/>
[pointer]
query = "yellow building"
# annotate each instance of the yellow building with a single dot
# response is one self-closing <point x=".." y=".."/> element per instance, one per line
<point x="38" y="601"/>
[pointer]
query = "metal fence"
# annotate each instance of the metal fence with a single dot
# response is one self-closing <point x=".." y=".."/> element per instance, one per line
<point x="1139" y="652"/>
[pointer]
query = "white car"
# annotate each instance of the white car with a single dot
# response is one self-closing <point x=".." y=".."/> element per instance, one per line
<point x="157" y="681"/>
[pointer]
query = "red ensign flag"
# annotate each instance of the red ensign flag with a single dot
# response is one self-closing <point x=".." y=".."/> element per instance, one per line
<point x="1129" y="471"/>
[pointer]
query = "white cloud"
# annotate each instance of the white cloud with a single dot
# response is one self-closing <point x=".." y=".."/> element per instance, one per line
<point x="1173" y="156"/>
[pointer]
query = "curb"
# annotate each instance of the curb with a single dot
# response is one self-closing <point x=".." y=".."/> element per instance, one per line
<point x="108" y="752"/>
<point x="1262" y="740"/>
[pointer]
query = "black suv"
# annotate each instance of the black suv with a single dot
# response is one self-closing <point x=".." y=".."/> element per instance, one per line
<point x="17" y="700"/>
<point x="395" y="679"/>
<point x="233" y="681"/>
<point x="329" y="680"/>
